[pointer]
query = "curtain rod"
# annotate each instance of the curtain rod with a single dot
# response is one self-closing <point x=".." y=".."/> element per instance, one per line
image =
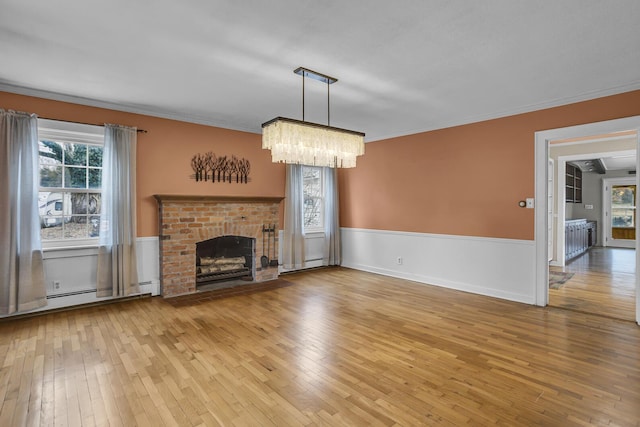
<point x="84" y="123"/>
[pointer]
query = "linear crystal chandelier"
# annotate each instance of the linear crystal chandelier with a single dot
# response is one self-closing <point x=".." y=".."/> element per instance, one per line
<point x="307" y="143"/>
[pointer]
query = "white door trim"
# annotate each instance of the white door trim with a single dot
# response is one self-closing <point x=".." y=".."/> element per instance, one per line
<point x="541" y="149"/>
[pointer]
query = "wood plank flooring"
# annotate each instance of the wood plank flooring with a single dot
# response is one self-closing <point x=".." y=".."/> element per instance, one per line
<point x="337" y="347"/>
<point x="603" y="284"/>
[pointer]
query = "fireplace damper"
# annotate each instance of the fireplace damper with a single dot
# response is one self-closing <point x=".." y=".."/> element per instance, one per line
<point x="225" y="258"/>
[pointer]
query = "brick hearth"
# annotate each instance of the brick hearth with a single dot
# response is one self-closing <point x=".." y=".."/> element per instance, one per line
<point x="186" y="220"/>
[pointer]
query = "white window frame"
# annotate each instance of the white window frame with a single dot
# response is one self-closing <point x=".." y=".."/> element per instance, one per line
<point x="319" y="228"/>
<point x="61" y="131"/>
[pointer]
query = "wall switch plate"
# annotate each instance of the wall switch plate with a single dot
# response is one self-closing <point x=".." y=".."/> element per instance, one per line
<point x="530" y="202"/>
<point x="588" y="206"/>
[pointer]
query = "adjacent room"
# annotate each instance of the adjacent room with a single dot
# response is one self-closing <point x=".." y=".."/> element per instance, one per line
<point x="319" y="213"/>
<point x="595" y="272"/>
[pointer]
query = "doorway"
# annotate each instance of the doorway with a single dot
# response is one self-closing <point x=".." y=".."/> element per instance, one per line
<point x="541" y="212"/>
<point x="584" y="275"/>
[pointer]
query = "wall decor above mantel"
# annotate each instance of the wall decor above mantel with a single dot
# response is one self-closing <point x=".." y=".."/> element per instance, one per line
<point x="209" y="167"/>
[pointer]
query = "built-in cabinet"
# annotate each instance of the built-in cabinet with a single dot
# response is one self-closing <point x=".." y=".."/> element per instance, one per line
<point x="580" y="235"/>
<point x="573" y="184"/>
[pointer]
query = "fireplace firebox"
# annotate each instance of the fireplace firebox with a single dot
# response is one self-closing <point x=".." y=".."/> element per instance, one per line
<point x="225" y="258"/>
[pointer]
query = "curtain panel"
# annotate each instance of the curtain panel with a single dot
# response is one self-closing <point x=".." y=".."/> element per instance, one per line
<point x="22" y="285"/>
<point x="293" y="233"/>
<point x="332" y="254"/>
<point x="117" y="264"/>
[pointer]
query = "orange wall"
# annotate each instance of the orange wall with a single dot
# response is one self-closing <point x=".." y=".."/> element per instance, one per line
<point x="465" y="180"/>
<point x="164" y="154"/>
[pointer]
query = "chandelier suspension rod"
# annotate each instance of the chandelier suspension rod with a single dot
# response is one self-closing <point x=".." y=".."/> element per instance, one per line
<point x="305" y="72"/>
<point x="328" y="106"/>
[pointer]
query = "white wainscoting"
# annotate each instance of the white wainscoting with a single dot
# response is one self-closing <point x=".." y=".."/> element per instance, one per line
<point x="74" y="270"/>
<point x="148" y="253"/>
<point x="501" y="268"/>
<point x="313" y="250"/>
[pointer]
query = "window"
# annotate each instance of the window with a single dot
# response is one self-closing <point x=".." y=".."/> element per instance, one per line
<point x="313" y="189"/>
<point x="70" y="194"/>
<point x="623" y="206"/>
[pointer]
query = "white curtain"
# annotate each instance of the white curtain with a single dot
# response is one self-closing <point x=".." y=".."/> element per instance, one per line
<point x="22" y="285"/>
<point x="331" y="255"/>
<point x="293" y="234"/>
<point x="117" y="265"/>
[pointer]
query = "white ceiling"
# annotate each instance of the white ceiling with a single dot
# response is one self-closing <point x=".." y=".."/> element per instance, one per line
<point x="622" y="162"/>
<point x="403" y="67"/>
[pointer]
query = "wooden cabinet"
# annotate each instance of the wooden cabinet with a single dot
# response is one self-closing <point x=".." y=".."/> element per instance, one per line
<point x="573" y="184"/>
<point x="579" y="236"/>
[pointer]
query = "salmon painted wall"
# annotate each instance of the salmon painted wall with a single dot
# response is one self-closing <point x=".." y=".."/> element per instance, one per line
<point x="465" y="180"/>
<point x="164" y="154"/>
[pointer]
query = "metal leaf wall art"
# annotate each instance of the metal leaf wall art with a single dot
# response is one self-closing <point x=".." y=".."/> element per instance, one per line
<point x="209" y="167"/>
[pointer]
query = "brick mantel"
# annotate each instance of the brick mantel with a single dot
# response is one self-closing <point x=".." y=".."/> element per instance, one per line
<point x="188" y="219"/>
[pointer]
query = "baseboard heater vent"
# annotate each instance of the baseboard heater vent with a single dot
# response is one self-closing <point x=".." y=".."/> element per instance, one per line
<point x="68" y="294"/>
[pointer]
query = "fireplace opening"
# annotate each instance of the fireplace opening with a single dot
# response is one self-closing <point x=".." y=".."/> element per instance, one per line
<point x="225" y="258"/>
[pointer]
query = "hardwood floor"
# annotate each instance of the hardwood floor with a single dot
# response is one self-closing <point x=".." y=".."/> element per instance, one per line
<point x="603" y="284"/>
<point x="336" y="347"/>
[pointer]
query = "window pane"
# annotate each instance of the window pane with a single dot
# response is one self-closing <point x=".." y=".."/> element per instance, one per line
<point x="78" y="203"/>
<point x="76" y="228"/>
<point x="623" y="218"/>
<point x="50" y="204"/>
<point x="50" y="176"/>
<point x="311" y="182"/>
<point x="312" y="212"/>
<point x="75" y="177"/>
<point x="94" y="203"/>
<point x="75" y="154"/>
<point x="95" y="178"/>
<point x="313" y="196"/>
<point x="49" y="229"/>
<point x="94" y="226"/>
<point x="50" y="153"/>
<point x="622" y="196"/>
<point x="95" y="156"/>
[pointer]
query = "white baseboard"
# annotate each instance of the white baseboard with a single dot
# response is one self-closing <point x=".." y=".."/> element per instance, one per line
<point x="501" y="268"/>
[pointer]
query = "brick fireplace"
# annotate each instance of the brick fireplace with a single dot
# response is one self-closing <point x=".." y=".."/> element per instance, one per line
<point x="188" y="220"/>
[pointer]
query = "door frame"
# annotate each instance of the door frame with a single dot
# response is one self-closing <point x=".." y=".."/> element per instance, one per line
<point x="541" y="149"/>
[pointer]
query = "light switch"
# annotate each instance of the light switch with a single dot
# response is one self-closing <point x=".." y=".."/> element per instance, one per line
<point x="530" y="202"/>
<point x="588" y="206"/>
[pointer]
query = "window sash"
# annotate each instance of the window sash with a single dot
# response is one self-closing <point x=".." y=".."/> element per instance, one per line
<point x="313" y="198"/>
<point x="83" y="219"/>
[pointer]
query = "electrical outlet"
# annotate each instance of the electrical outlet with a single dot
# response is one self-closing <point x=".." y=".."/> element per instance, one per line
<point x="399" y="260"/>
<point x="56" y="284"/>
